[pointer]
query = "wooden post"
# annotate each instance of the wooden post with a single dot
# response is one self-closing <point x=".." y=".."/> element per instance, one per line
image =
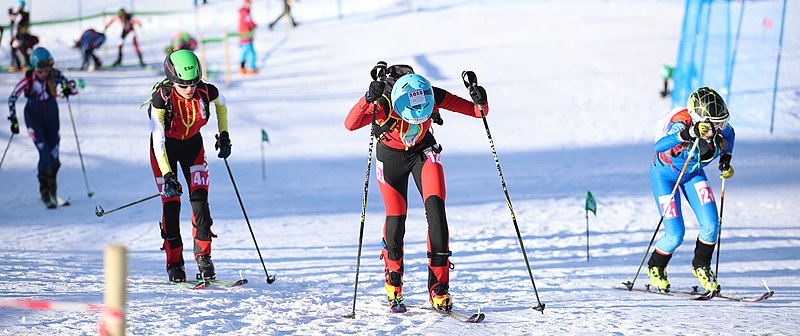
<point x="203" y="59"/>
<point x="116" y="273"/>
<point x="227" y="48"/>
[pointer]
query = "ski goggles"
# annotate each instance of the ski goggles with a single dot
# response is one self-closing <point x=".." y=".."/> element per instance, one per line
<point x="185" y="86"/>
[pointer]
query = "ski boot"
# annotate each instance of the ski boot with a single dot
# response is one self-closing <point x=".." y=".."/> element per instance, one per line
<point x="395" y="296"/>
<point x="44" y="192"/>
<point x="440" y="299"/>
<point x="707" y="278"/>
<point x="176" y="272"/>
<point x="206" y="267"/>
<point x="658" y="278"/>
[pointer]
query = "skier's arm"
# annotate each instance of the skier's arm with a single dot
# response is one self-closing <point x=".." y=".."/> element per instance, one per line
<point x="219" y="102"/>
<point x="67" y="86"/>
<point x="159" y="139"/>
<point x="222" y="113"/>
<point x="672" y="139"/>
<point x="12" y="99"/>
<point x="449" y="101"/>
<point x="730" y="137"/>
<point x="361" y="114"/>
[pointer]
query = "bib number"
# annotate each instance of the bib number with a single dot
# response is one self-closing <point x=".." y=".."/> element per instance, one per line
<point x="668" y="209"/>
<point x="199" y="176"/>
<point x="704" y="192"/>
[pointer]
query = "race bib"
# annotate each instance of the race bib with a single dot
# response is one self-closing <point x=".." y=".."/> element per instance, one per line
<point x="704" y="192"/>
<point x="667" y="203"/>
<point x="379" y="172"/>
<point x="199" y="175"/>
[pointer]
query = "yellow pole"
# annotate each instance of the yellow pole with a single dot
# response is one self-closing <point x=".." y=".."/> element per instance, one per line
<point x="227" y="48"/>
<point x="116" y="269"/>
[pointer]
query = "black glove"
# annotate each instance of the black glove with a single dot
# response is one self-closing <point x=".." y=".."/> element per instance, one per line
<point x="67" y="89"/>
<point x="724" y="162"/>
<point x="478" y="95"/>
<point x="375" y="91"/>
<point x="696" y="130"/>
<point x="14" y="124"/>
<point x="223" y="145"/>
<point x="172" y="187"/>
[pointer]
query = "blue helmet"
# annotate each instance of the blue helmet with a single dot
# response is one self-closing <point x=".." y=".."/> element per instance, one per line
<point x="412" y="98"/>
<point x="41" y="58"/>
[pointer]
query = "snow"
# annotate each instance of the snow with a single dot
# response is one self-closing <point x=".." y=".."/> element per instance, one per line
<point x="573" y="87"/>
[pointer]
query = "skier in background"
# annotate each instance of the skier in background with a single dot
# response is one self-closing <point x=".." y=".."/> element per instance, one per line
<point x="128" y="26"/>
<point x="248" y="28"/>
<point x="287" y="10"/>
<point x="41" y="117"/>
<point x="180" y="106"/>
<point x="182" y="40"/>
<point x="21" y="40"/>
<point x="706" y="119"/>
<point x="89" y="41"/>
<point x="406" y="106"/>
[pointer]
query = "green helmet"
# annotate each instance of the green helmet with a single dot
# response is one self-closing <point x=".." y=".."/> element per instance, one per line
<point x="705" y="105"/>
<point x="182" y="67"/>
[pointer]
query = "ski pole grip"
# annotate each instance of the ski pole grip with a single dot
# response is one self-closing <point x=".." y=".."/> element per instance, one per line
<point x="379" y="71"/>
<point x="470" y="79"/>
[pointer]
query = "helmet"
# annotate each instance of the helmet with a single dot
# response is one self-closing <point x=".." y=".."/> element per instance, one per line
<point x="41" y="58"/>
<point x="412" y="98"/>
<point x="182" y="67"/>
<point x="706" y="104"/>
<point x="21" y="3"/>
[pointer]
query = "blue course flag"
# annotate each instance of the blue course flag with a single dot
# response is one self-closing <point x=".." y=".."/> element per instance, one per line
<point x="591" y="204"/>
<point x="264" y="136"/>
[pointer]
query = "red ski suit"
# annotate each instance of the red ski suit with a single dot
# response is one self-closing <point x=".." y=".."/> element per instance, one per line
<point x="405" y="150"/>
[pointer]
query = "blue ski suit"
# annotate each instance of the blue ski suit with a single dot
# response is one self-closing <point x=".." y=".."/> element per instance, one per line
<point x="671" y="154"/>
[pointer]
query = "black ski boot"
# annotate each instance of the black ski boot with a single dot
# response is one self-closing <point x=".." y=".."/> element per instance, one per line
<point x="51" y="181"/>
<point x="44" y="191"/>
<point x="176" y="272"/>
<point x="206" y="267"/>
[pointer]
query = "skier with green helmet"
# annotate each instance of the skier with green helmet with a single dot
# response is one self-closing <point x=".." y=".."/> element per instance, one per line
<point x="180" y="105"/>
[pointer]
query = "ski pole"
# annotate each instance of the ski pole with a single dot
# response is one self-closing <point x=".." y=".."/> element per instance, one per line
<point x="629" y="284"/>
<point x="99" y="211"/>
<point x="719" y="234"/>
<point x="471" y="81"/>
<point x="75" y="131"/>
<point x="380" y="71"/>
<point x="6" y="151"/>
<point x="270" y="278"/>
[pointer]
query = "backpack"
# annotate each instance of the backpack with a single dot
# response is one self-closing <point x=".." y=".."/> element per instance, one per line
<point x="163" y="89"/>
<point x="680" y="114"/>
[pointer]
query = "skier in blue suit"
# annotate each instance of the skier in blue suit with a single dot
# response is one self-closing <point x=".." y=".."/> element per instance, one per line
<point x="705" y="120"/>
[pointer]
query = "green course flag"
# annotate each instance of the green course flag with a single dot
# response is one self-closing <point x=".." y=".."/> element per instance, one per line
<point x="264" y="136"/>
<point x="591" y="204"/>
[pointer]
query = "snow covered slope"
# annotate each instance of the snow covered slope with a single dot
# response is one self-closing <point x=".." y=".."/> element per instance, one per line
<point x="573" y="88"/>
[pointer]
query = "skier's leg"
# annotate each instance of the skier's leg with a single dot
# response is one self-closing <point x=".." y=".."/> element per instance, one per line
<point x="429" y="177"/>
<point x="138" y="50"/>
<point x="170" y="218"/>
<point x="701" y="198"/>
<point x="662" y="180"/>
<point x="34" y="120"/>
<point x="52" y="128"/>
<point x="195" y="171"/>
<point x="392" y="175"/>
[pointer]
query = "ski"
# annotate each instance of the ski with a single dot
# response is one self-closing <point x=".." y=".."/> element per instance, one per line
<point x="62" y="202"/>
<point x="202" y="284"/>
<point x="766" y="295"/>
<point x="458" y="315"/>
<point x="697" y="296"/>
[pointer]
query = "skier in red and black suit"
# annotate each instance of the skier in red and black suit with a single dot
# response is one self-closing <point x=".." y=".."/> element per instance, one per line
<point x="405" y="109"/>
<point x="180" y="106"/>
